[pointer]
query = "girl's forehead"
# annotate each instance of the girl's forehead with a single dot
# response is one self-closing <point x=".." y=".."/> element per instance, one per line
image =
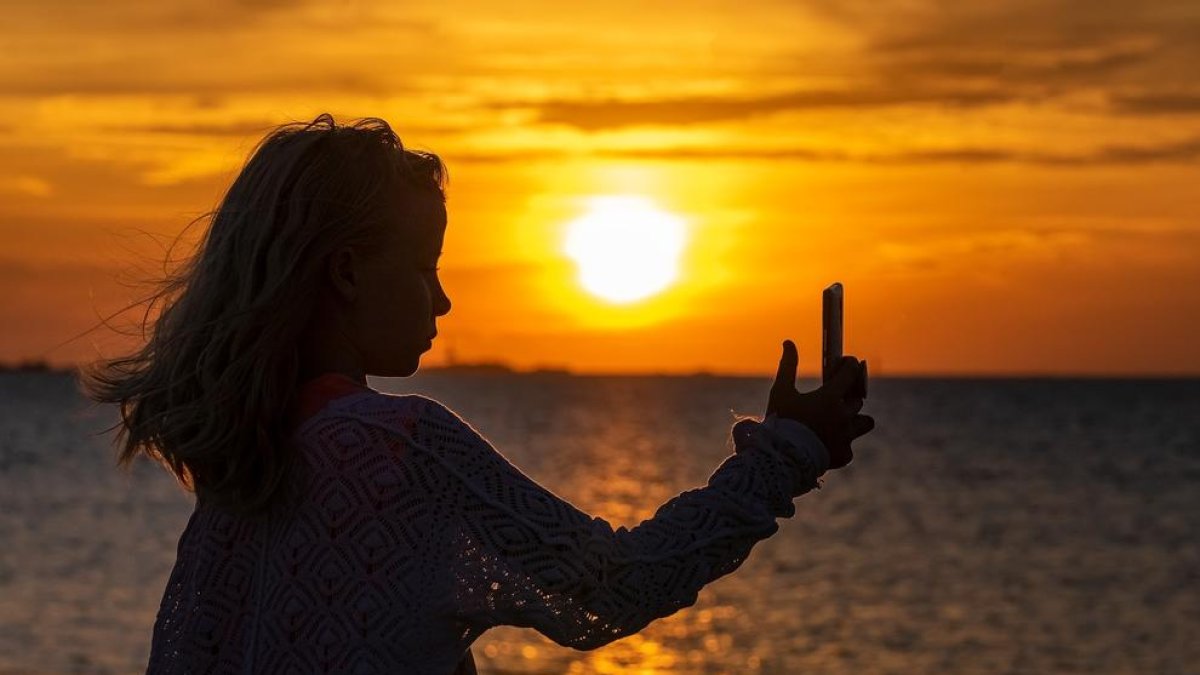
<point x="423" y="224"/>
<point x="429" y="210"/>
<point x="431" y="221"/>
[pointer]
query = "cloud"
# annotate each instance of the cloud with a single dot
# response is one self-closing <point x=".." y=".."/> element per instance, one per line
<point x="920" y="62"/>
<point x="260" y="128"/>
<point x="32" y="186"/>
<point x="963" y="56"/>
<point x="1157" y="103"/>
<point x="592" y="115"/>
<point x="130" y="74"/>
<point x="936" y="253"/>
<point x="1020" y="27"/>
<point x="1183" y="151"/>
<point x="1179" y="151"/>
<point x="140" y="19"/>
<point x="102" y="190"/>
<point x="1024" y="70"/>
<point x="237" y="47"/>
<point x="507" y="156"/>
<point x="1025" y="47"/>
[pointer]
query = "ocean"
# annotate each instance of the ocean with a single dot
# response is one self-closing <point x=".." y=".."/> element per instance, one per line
<point x="985" y="526"/>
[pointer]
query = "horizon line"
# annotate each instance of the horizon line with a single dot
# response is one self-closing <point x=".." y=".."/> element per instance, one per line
<point x="498" y="368"/>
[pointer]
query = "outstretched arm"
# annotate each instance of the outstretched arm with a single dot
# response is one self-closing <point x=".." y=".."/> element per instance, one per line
<point x="523" y="556"/>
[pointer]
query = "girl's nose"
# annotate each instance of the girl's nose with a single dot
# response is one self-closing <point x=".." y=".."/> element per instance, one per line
<point x="443" y="307"/>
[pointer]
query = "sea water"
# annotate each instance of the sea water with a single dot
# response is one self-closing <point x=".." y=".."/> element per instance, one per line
<point x="985" y="526"/>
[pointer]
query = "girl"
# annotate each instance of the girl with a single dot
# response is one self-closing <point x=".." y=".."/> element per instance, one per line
<point x="341" y="529"/>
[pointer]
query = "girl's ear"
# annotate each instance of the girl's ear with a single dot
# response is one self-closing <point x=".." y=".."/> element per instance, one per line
<point x="342" y="273"/>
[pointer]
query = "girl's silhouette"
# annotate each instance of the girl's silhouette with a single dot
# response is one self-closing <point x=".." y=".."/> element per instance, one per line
<point x="341" y="529"/>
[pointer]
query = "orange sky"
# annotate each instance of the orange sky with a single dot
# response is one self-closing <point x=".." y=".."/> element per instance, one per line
<point x="1002" y="187"/>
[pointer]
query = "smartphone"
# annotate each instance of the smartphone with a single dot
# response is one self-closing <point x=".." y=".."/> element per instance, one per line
<point x="832" y="326"/>
<point x="832" y="333"/>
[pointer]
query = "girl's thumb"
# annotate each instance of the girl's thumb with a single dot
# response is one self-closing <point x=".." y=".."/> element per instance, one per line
<point x="787" y="364"/>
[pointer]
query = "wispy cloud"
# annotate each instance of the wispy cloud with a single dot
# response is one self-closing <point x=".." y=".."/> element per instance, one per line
<point x="1141" y="55"/>
<point x="254" y="129"/>
<point x="1024" y="68"/>
<point x="233" y="47"/>
<point x="592" y="115"/>
<point x="1184" y="151"/>
<point x="1157" y="103"/>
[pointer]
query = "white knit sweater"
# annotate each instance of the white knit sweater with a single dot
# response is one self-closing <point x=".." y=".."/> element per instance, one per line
<point x="413" y="535"/>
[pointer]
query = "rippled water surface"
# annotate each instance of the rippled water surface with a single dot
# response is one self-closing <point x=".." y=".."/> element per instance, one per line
<point x="986" y="526"/>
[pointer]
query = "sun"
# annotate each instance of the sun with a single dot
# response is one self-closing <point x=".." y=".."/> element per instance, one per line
<point x="625" y="248"/>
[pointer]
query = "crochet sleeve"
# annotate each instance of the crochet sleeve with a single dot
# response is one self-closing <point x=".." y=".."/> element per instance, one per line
<point x="523" y="556"/>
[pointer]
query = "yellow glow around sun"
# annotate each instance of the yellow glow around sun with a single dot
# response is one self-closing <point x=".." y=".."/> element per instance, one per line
<point x="625" y="248"/>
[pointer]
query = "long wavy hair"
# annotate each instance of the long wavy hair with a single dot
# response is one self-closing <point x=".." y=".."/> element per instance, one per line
<point x="208" y="392"/>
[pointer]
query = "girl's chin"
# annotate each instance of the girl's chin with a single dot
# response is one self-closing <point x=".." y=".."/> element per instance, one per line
<point x="404" y="368"/>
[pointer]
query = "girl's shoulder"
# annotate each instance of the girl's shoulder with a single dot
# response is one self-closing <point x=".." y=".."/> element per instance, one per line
<point x="403" y="413"/>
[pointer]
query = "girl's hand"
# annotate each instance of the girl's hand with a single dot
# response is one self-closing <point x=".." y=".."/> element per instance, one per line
<point x="829" y="411"/>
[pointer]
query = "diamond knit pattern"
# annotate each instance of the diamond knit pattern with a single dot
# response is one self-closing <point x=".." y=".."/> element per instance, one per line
<point x="411" y="535"/>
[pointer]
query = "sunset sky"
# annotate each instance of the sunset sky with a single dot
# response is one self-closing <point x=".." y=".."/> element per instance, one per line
<point x="1004" y="188"/>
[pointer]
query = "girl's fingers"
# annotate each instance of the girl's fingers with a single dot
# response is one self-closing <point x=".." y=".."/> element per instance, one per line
<point x="786" y="377"/>
<point x="845" y="376"/>
<point x="854" y="405"/>
<point x="862" y="424"/>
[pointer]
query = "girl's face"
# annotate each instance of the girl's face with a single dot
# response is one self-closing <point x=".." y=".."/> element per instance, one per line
<point x="392" y="320"/>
